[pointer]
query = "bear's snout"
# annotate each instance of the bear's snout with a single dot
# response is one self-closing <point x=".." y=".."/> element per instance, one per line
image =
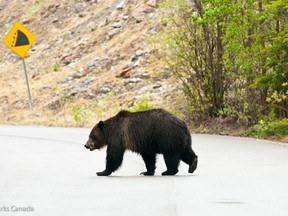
<point x="90" y="145"/>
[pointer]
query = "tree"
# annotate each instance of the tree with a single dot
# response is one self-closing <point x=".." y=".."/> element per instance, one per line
<point x="195" y="51"/>
<point x="225" y="53"/>
<point x="275" y="81"/>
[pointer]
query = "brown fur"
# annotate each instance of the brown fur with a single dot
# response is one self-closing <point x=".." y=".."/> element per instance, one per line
<point x="128" y="142"/>
<point x="147" y="133"/>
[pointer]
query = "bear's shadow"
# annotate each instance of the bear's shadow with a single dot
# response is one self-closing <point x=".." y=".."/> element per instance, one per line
<point x="147" y="177"/>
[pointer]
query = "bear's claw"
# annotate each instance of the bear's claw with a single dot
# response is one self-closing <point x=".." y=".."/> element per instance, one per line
<point x="147" y="173"/>
<point x="170" y="172"/>
<point x="104" y="173"/>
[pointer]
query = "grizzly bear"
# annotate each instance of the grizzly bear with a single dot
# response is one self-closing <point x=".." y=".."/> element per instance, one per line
<point x="147" y="133"/>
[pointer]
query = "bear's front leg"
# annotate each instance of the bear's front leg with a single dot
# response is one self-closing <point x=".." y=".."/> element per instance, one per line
<point x="114" y="160"/>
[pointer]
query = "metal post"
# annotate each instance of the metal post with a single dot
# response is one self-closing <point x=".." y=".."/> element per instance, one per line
<point x="28" y="88"/>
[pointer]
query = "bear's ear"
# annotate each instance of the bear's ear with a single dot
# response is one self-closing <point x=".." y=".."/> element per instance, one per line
<point x="101" y="125"/>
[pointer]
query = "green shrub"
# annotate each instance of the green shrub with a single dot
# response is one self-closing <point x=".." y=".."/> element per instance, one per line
<point x="270" y="129"/>
<point x="83" y="113"/>
<point x="77" y="112"/>
<point x="142" y="105"/>
<point x="56" y="68"/>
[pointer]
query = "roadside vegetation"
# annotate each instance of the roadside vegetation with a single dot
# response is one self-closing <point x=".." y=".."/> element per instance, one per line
<point x="275" y="130"/>
<point x="232" y="60"/>
<point x="220" y="65"/>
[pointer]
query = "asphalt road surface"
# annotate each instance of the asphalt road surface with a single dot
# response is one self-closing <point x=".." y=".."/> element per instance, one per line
<point x="47" y="171"/>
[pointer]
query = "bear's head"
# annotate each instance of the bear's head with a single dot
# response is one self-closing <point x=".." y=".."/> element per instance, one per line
<point x="96" y="138"/>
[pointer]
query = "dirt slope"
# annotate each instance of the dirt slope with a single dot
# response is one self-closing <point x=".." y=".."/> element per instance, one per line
<point x="90" y="59"/>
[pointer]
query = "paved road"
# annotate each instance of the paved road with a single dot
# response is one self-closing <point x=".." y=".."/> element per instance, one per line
<point x="49" y="170"/>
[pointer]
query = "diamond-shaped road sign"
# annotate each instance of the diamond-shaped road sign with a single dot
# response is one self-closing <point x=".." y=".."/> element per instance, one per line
<point x="19" y="39"/>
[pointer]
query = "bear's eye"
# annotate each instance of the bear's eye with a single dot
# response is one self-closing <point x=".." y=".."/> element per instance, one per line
<point x="92" y="137"/>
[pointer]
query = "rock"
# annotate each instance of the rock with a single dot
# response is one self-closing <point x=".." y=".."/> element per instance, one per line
<point x="144" y="89"/>
<point x="92" y="26"/>
<point x="117" y="24"/>
<point x="85" y="84"/>
<point x="83" y="87"/>
<point x="112" y="32"/>
<point x="81" y="15"/>
<point x="152" y="3"/>
<point x="89" y="96"/>
<point x="67" y="59"/>
<point x="125" y="17"/>
<point x="26" y="21"/>
<point x="145" y="75"/>
<point x="67" y="79"/>
<point x="105" y="89"/>
<point x="139" y="16"/>
<point x="19" y="103"/>
<point x="136" y="63"/>
<point x="121" y="5"/>
<point x="55" y="20"/>
<point x="4" y="100"/>
<point x="105" y="62"/>
<point x="92" y="63"/>
<point x="139" y="53"/>
<point x="82" y="42"/>
<point x="147" y="8"/>
<point x="133" y="80"/>
<point x="140" y="13"/>
<point x="77" y="90"/>
<point x="157" y="85"/>
<point x="75" y="75"/>
<point x="103" y="22"/>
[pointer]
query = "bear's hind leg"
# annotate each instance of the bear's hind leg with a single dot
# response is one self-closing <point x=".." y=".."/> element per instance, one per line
<point x="193" y="166"/>
<point x="172" y="163"/>
<point x="150" y="161"/>
<point x="190" y="158"/>
<point x="104" y="173"/>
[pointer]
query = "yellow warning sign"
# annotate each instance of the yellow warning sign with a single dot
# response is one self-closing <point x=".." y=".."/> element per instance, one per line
<point x="19" y="39"/>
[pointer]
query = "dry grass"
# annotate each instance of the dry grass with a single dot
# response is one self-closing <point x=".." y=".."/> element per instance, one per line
<point x="51" y="106"/>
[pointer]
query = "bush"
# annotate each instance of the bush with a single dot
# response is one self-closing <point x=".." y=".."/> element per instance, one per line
<point x="270" y="129"/>
<point x="141" y="105"/>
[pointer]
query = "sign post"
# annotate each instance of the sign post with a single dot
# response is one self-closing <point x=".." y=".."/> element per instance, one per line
<point x="19" y="39"/>
<point x="27" y="83"/>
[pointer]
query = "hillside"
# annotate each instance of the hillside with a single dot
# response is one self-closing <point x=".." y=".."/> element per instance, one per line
<point x="91" y="59"/>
